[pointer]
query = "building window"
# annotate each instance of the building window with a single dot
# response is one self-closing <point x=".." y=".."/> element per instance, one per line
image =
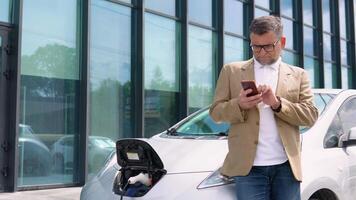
<point x="288" y="32"/>
<point x="342" y="18"/>
<point x="5" y="10"/>
<point x="201" y="67"/>
<point x="287" y="8"/>
<point x="167" y="6"/>
<point x="161" y="73"/>
<point x="236" y="49"/>
<point x="290" y="58"/>
<point x="290" y="54"/>
<point x="110" y="80"/>
<point x="311" y="65"/>
<point x="50" y="82"/>
<point x="262" y="8"/>
<point x="345" y="44"/>
<point x="328" y="72"/>
<point x="200" y="11"/>
<point x="328" y="47"/>
<point x="233" y="17"/>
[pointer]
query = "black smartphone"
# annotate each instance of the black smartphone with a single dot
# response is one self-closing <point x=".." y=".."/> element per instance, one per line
<point x="249" y="84"/>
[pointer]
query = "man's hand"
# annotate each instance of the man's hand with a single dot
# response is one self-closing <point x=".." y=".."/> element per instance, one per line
<point x="268" y="97"/>
<point x="248" y="102"/>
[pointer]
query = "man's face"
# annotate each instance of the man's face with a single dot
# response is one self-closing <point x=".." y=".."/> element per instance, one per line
<point x="267" y="47"/>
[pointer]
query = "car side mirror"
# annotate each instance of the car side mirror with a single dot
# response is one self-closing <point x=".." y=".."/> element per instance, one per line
<point x="348" y="139"/>
<point x="331" y="141"/>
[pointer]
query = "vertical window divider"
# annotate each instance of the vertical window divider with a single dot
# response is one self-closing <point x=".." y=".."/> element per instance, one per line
<point x="220" y="31"/>
<point x="352" y="53"/>
<point x="299" y="33"/>
<point x="15" y="60"/>
<point x="320" y="39"/>
<point x="337" y="50"/>
<point x="183" y="97"/>
<point x="84" y="125"/>
<point x="138" y="53"/>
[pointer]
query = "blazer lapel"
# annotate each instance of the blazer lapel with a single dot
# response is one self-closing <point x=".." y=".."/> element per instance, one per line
<point x="247" y="71"/>
<point x="284" y="75"/>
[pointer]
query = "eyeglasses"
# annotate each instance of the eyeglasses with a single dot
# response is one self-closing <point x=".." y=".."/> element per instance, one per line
<point x="267" y="47"/>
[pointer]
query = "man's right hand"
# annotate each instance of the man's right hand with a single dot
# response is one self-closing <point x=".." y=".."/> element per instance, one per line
<point x="248" y="102"/>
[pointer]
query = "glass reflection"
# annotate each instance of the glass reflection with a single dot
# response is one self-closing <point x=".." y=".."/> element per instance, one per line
<point x="308" y="12"/>
<point x="327" y="47"/>
<point x="288" y="32"/>
<point x="290" y="58"/>
<point x="200" y="11"/>
<point x="328" y="75"/>
<point x="110" y="79"/>
<point x="262" y="3"/>
<point x="308" y="41"/>
<point x="5" y="10"/>
<point x="200" y="69"/>
<point x="326" y="15"/>
<point x="49" y="90"/>
<point x="233" y="16"/>
<point x="343" y="52"/>
<point x="311" y="65"/>
<point x="260" y="13"/>
<point x="287" y="8"/>
<point x="342" y="18"/>
<point x="236" y="49"/>
<point x="166" y="6"/>
<point x="344" y="77"/>
<point x="161" y="74"/>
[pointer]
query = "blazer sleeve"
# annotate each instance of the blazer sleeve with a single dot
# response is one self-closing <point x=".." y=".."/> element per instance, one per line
<point x="225" y="108"/>
<point x="302" y="113"/>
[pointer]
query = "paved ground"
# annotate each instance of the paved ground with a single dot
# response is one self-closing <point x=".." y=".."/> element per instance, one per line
<point x="72" y="193"/>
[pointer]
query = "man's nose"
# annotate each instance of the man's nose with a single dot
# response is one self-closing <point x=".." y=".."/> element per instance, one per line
<point x="263" y="51"/>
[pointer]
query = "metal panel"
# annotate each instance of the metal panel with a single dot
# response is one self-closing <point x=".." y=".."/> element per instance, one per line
<point x="4" y="165"/>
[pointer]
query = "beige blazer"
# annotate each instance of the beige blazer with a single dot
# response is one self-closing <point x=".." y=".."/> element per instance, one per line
<point x="297" y="110"/>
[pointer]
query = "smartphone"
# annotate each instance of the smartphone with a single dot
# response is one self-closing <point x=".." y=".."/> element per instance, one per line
<point x="249" y="84"/>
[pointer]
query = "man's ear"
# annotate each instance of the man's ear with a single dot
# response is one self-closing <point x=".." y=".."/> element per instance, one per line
<point x="283" y="42"/>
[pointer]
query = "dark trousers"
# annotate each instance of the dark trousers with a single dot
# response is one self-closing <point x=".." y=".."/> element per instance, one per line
<point x="274" y="182"/>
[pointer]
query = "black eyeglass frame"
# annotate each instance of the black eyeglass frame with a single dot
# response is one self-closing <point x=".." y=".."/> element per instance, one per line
<point x="267" y="47"/>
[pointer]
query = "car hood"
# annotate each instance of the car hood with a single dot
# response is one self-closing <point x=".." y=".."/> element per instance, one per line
<point x="189" y="155"/>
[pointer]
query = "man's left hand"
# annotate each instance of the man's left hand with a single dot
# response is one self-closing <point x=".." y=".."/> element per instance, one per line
<point x="268" y="96"/>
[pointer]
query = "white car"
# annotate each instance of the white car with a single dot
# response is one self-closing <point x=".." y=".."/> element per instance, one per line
<point x="183" y="161"/>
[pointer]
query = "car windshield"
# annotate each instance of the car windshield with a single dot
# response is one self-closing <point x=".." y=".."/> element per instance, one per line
<point x="201" y="124"/>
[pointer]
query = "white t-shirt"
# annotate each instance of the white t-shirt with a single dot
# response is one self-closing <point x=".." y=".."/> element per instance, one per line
<point x="270" y="150"/>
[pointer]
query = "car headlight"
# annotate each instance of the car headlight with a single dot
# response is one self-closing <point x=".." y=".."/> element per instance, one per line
<point x="215" y="179"/>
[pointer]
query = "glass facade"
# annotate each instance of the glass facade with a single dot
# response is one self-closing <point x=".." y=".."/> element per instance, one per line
<point x="110" y="79"/>
<point x="142" y="74"/>
<point x="166" y="6"/>
<point x="287" y="8"/>
<point x="200" y="68"/>
<point x="288" y="32"/>
<point x="50" y="82"/>
<point x="234" y="12"/>
<point x="5" y="10"/>
<point x="308" y="12"/>
<point x="161" y="74"/>
<point x="308" y="41"/>
<point x="236" y="49"/>
<point x="201" y="11"/>
<point x="342" y="18"/>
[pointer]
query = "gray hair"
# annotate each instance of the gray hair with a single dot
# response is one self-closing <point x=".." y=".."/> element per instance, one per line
<point x="264" y="24"/>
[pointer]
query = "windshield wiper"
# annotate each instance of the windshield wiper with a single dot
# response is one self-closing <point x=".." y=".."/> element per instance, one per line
<point x="172" y="131"/>
<point x="222" y="133"/>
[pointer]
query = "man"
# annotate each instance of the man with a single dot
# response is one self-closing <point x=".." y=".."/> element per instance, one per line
<point x="264" y="139"/>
